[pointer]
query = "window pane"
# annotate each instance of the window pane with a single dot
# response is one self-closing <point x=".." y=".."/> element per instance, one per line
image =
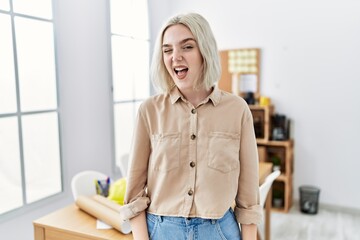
<point x="122" y="60"/>
<point x="41" y="155"/>
<point x="121" y="17"/>
<point x="130" y="59"/>
<point x="124" y="115"/>
<point x="140" y="19"/>
<point x="141" y="74"/>
<point x="130" y="18"/>
<point x="7" y="76"/>
<point x="10" y="172"/>
<point x="37" y="8"/>
<point x="36" y="62"/>
<point x="4" y="5"/>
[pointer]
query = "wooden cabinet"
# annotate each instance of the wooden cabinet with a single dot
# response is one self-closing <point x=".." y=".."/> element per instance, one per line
<point x="280" y="153"/>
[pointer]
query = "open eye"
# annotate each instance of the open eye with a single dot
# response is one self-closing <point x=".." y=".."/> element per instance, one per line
<point x="188" y="47"/>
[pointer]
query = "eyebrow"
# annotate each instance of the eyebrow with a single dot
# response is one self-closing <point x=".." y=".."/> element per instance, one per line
<point x="181" y="42"/>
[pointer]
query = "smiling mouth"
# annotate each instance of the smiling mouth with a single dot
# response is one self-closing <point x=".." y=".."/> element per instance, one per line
<point x="180" y="71"/>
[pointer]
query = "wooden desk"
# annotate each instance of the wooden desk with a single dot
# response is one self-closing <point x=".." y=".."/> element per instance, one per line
<point x="71" y="223"/>
<point x="265" y="168"/>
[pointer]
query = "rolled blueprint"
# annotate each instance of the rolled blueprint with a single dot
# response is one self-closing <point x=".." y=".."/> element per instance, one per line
<point x="104" y="211"/>
<point x="108" y="203"/>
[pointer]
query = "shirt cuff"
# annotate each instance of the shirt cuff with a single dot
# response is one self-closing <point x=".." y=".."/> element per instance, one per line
<point x="134" y="208"/>
<point x="251" y="215"/>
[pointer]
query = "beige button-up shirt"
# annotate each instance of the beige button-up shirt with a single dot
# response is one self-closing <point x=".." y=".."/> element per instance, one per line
<point x="194" y="161"/>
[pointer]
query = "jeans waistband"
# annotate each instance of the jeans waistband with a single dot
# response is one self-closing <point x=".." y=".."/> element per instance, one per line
<point x="187" y="221"/>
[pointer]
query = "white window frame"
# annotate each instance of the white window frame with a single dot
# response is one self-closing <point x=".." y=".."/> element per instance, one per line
<point x="19" y="114"/>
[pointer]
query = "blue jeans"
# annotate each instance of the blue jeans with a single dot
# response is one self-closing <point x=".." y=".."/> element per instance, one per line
<point x="179" y="228"/>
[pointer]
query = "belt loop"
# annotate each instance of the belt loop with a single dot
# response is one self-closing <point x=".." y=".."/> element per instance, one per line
<point x="231" y="210"/>
<point x="160" y="218"/>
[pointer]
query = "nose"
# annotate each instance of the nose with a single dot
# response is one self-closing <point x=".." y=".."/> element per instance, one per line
<point x="177" y="56"/>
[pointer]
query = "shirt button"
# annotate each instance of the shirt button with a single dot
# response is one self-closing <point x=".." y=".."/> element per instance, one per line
<point x="193" y="111"/>
<point x="193" y="136"/>
<point x="190" y="192"/>
<point x="192" y="164"/>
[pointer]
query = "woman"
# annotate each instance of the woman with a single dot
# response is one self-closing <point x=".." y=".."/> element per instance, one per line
<point x="194" y="150"/>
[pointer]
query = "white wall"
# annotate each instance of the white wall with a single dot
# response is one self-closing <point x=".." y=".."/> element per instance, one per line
<point x="310" y="69"/>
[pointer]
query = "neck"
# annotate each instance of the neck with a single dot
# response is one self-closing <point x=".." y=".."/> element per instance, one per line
<point x="196" y="96"/>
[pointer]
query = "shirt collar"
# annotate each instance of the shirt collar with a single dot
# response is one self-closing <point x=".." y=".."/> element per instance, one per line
<point x="214" y="96"/>
<point x="175" y="95"/>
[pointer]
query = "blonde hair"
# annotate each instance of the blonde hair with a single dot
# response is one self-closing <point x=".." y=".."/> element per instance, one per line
<point x="205" y="39"/>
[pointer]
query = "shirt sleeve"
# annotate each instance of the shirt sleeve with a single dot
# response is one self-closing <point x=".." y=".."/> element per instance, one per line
<point x="136" y="199"/>
<point x="248" y="209"/>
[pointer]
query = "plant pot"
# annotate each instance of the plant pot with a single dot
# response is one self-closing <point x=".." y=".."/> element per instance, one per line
<point x="276" y="167"/>
<point x="278" y="202"/>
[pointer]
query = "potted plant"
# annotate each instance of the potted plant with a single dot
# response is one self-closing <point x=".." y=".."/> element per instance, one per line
<point x="276" y="163"/>
<point x="278" y="198"/>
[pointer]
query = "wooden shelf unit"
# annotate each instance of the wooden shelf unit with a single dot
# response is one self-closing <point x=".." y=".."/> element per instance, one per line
<point x="283" y="150"/>
<point x="262" y="121"/>
<point x="263" y="128"/>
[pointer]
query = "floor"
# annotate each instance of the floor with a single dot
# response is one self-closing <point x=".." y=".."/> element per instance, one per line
<point x="327" y="224"/>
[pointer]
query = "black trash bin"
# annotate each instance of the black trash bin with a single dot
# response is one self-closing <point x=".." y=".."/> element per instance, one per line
<point x="309" y="199"/>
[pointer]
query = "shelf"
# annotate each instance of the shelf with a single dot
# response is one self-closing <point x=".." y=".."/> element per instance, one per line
<point x="275" y="151"/>
<point x="280" y="210"/>
<point x="287" y="143"/>
<point x="282" y="178"/>
<point x="262" y="121"/>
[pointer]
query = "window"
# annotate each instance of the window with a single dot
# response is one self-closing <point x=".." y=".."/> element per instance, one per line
<point x="130" y="45"/>
<point x="30" y="165"/>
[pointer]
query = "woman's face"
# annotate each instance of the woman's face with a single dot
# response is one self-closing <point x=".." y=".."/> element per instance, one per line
<point x="182" y="56"/>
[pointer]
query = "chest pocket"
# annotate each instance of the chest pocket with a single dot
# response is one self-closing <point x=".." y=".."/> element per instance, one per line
<point x="165" y="154"/>
<point x="223" y="151"/>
